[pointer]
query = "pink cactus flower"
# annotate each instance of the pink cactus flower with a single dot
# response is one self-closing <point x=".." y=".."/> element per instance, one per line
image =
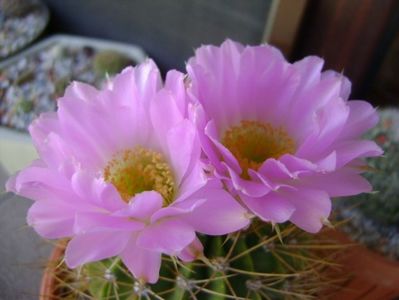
<point x="283" y="136"/>
<point x="120" y="174"/>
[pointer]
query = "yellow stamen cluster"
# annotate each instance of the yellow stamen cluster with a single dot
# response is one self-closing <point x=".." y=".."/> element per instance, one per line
<point x="137" y="170"/>
<point x="252" y="142"/>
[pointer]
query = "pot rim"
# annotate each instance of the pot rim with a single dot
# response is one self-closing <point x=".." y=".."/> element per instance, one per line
<point x="48" y="283"/>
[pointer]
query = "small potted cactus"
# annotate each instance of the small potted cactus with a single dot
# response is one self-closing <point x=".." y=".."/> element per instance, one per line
<point x="372" y="220"/>
<point x="212" y="184"/>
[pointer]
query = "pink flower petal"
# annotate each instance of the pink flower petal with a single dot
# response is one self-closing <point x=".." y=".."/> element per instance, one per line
<point x="195" y="180"/>
<point x="142" y="206"/>
<point x="39" y="183"/>
<point x="147" y="80"/>
<point x="89" y="222"/>
<point x="168" y="236"/>
<point x="109" y="196"/>
<point x="344" y="182"/>
<point x="94" y="246"/>
<point x="137" y="84"/>
<point x="275" y="175"/>
<point x="210" y="64"/>
<point x="309" y="68"/>
<point x="328" y="163"/>
<point x="311" y="207"/>
<point x="248" y="187"/>
<point x="362" y="117"/>
<point x="270" y="208"/>
<point x="39" y="173"/>
<point x="45" y="133"/>
<point x="192" y="251"/>
<point x="143" y="263"/>
<point x="331" y="121"/>
<point x="183" y="138"/>
<point x="294" y="164"/>
<point x="275" y="170"/>
<point x="265" y="85"/>
<point x="80" y="131"/>
<point x="165" y="114"/>
<point x="82" y="91"/>
<point x="199" y="118"/>
<point x="308" y="110"/>
<point x="52" y="219"/>
<point x="90" y="126"/>
<point x="228" y="157"/>
<point x="219" y="214"/>
<point x="346" y="85"/>
<point x="132" y="92"/>
<point x="177" y="209"/>
<point x="96" y="191"/>
<point x="272" y="185"/>
<point x="350" y="150"/>
<point x="175" y="82"/>
<point x="11" y="183"/>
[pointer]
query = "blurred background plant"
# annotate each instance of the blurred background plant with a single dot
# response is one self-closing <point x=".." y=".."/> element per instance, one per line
<point x="33" y="81"/>
<point x="373" y="219"/>
<point x="21" y="21"/>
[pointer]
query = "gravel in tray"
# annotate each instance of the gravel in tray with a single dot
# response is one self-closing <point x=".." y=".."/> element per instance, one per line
<point x="32" y="85"/>
<point x="21" y="21"/>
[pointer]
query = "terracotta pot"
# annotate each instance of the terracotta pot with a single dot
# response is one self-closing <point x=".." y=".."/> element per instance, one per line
<point x="48" y="286"/>
<point x="372" y="276"/>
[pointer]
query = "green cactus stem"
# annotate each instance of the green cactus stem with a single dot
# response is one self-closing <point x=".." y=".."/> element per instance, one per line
<point x="248" y="265"/>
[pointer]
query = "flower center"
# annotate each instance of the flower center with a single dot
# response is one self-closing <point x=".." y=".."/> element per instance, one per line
<point x="253" y="142"/>
<point x="137" y="170"/>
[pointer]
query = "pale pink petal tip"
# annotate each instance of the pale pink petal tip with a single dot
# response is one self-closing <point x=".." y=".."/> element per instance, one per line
<point x="192" y="252"/>
<point x="143" y="264"/>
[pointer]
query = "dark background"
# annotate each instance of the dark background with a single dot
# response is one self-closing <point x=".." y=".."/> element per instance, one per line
<point x="168" y="30"/>
<point x="356" y="37"/>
